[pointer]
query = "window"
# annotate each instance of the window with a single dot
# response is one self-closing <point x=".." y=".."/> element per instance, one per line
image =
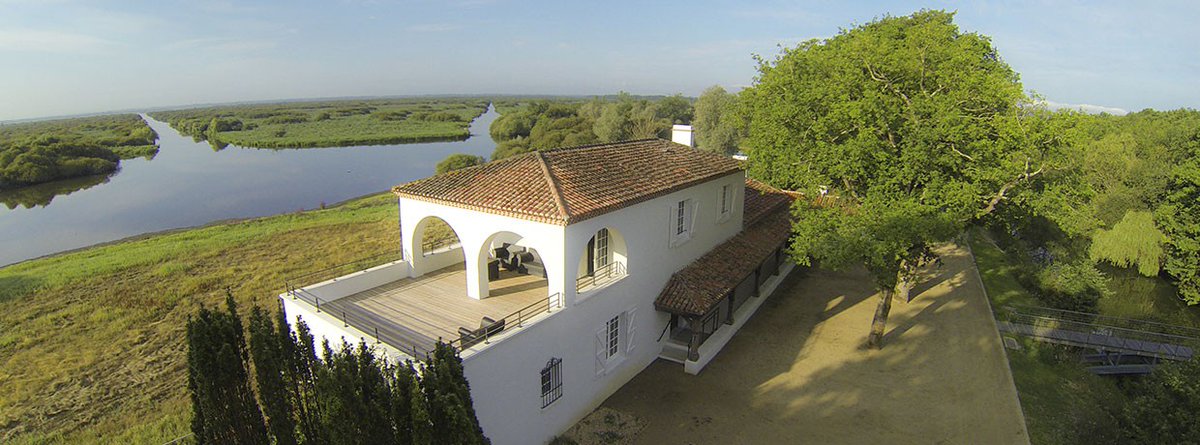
<point x="683" y="217"/>
<point x="680" y="212"/>
<point x="602" y="257"/>
<point x="615" y="340"/>
<point x="726" y="200"/>
<point x="614" y="337"/>
<point x="551" y="381"/>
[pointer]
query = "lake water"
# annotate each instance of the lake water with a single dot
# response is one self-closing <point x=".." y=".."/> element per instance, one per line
<point x="189" y="184"/>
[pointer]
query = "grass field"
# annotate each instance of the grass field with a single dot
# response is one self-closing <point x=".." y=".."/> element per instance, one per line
<point x="329" y="123"/>
<point x="91" y="342"/>
<point x="1063" y="403"/>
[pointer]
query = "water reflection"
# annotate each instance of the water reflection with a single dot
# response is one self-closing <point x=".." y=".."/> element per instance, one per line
<point x="41" y="195"/>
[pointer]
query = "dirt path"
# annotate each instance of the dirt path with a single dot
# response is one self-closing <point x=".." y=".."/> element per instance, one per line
<point x="798" y="372"/>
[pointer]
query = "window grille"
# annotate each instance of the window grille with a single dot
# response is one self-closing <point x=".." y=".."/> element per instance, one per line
<point x="726" y="203"/>
<point x="551" y="381"/>
<point x="614" y="336"/>
<point x="679" y="218"/>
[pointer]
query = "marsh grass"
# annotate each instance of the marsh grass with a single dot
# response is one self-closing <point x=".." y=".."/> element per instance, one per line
<point x="329" y="123"/>
<point x="91" y="342"/>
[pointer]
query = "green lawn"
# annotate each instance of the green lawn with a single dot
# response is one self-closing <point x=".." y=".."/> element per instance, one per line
<point x="91" y="342"/>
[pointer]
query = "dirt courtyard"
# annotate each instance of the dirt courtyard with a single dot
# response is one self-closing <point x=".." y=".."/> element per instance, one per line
<point x="798" y="371"/>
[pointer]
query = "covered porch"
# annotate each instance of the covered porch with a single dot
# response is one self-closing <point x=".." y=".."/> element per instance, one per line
<point x="710" y="299"/>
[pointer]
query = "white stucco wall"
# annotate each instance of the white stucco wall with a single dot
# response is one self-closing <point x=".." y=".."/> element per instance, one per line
<point x="505" y="378"/>
<point x="359" y="281"/>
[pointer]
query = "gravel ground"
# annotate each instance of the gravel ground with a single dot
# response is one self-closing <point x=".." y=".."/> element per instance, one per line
<point x="799" y="371"/>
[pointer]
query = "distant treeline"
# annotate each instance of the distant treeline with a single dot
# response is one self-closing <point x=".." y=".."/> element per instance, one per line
<point x="539" y="124"/>
<point x="543" y="124"/>
<point x="38" y="152"/>
<point x="329" y="124"/>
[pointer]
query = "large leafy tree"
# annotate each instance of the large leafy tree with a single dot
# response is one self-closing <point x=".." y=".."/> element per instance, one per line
<point x="919" y="128"/>
<point x="1179" y="217"/>
<point x="718" y="126"/>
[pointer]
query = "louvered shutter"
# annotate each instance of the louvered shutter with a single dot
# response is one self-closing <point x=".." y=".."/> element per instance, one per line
<point x="691" y="218"/>
<point x="601" y="352"/>
<point x="631" y="331"/>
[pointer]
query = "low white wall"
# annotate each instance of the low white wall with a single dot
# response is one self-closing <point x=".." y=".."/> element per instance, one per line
<point x="717" y="340"/>
<point x="324" y="327"/>
<point x="360" y="281"/>
<point x="444" y="257"/>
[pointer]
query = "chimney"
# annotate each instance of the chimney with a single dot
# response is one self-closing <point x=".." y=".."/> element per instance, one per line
<point x="682" y="134"/>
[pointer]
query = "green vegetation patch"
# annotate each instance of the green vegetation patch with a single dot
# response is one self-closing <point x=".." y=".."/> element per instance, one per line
<point x="330" y="123"/>
<point x="39" y="152"/>
<point x="92" y="342"/>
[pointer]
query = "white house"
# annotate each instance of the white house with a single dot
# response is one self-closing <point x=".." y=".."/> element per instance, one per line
<point x="574" y="269"/>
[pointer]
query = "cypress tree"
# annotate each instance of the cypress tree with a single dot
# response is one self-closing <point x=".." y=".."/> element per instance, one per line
<point x="270" y="362"/>
<point x="449" y="398"/>
<point x="403" y="383"/>
<point x="224" y="406"/>
<point x="305" y="367"/>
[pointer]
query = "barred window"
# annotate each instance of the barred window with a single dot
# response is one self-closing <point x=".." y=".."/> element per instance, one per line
<point x="680" y="211"/>
<point x="726" y="200"/>
<point x="614" y="336"/>
<point x="551" y="381"/>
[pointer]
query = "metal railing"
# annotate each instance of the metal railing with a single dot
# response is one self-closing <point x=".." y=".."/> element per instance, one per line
<point x="368" y="326"/>
<point x="515" y="320"/>
<point x="1104" y="332"/>
<point x="332" y="272"/>
<point x="604" y="275"/>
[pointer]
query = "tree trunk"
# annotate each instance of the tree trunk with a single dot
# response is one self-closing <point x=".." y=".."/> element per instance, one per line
<point x="904" y="286"/>
<point x="875" y="340"/>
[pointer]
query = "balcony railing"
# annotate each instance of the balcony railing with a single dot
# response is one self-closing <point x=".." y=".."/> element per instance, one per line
<point x="607" y="274"/>
<point x="309" y="278"/>
<point x="516" y="320"/>
<point x="382" y="330"/>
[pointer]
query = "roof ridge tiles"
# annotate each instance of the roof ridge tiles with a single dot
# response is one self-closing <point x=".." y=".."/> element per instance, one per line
<point x="599" y="145"/>
<point x="554" y="190"/>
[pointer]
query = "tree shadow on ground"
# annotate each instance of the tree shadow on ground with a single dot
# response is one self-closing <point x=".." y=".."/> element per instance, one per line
<point x="797" y="373"/>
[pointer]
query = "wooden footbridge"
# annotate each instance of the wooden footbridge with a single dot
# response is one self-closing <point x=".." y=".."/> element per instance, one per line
<point x="1123" y="345"/>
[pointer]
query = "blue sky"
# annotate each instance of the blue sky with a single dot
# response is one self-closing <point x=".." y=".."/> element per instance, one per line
<point x="62" y="57"/>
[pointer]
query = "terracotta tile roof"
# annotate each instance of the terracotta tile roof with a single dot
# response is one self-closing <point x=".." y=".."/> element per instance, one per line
<point x="567" y="185"/>
<point x="702" y="285"/>
<point x="761" y="200"/>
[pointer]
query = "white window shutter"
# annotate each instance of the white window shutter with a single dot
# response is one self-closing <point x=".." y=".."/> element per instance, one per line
<point x="631" y="331"/>
<point x="691" y="219"/>
<point x="671" y="225"/>
<point x="601" y="352"/>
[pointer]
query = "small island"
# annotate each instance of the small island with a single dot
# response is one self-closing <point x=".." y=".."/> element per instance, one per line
<point x="37" y="152"/>
<point x="329" y="123"/>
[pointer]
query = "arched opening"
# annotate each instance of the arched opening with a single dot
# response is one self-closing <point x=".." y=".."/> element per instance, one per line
<point x="437" y="246"/>
<point x="508" y="264"/>
<point x="603" y="261"/>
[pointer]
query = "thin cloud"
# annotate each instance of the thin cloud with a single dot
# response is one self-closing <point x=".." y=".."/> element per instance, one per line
<point x="434" y="27"/>
<point x="32" y="40"/>
<point x="1086" y="108"/>
<point x="224" y="45"/>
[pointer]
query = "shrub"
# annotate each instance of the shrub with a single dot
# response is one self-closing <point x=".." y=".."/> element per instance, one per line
<point x="1074" y="286"/>
<point x="458" y="161"/>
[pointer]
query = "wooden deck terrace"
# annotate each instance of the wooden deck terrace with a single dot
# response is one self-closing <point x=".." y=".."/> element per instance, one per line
<point x="418" y="311"/>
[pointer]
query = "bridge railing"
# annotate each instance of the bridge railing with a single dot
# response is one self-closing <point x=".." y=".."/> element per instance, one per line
<point x="1116" y="322"/>
<point x="1111" y="333"/>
